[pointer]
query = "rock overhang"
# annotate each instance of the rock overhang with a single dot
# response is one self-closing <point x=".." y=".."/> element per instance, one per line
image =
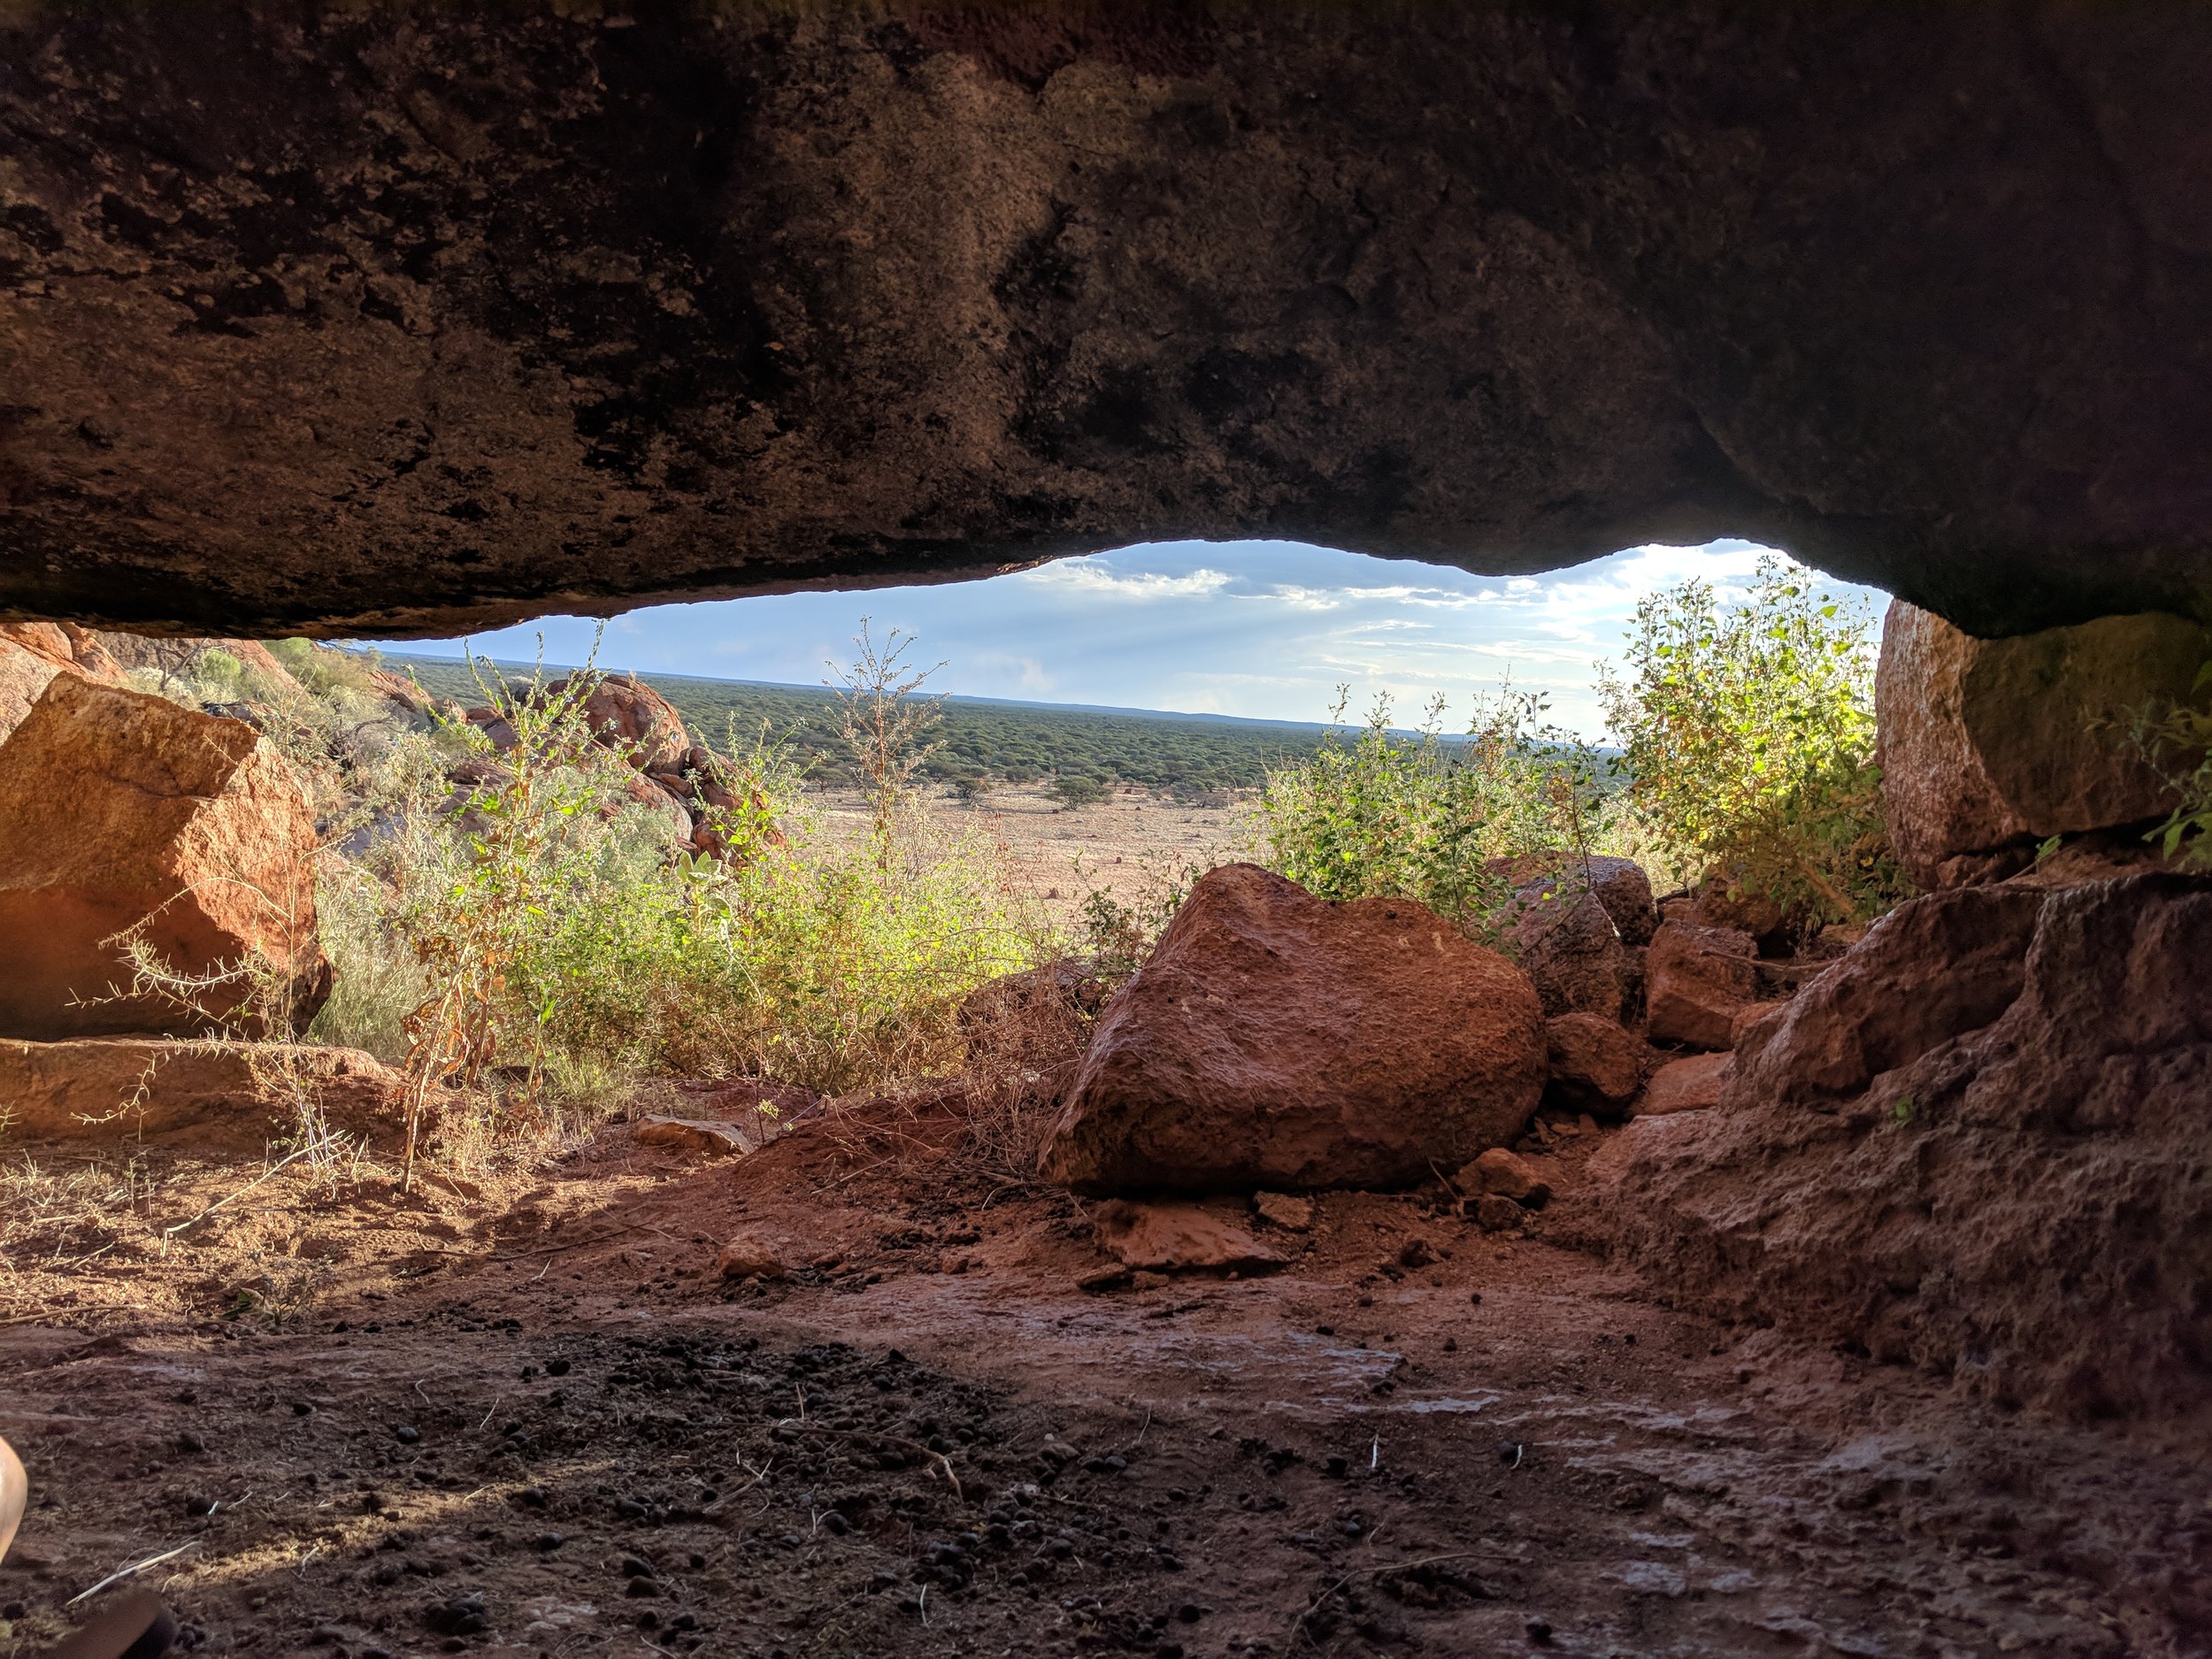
<point x="401" y="318"/>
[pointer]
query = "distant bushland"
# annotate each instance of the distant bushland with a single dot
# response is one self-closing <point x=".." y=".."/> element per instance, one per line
<point x="976" y="737"/>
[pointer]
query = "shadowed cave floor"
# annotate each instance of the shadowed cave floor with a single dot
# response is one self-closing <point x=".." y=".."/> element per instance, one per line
<point x="533" y="1422"/>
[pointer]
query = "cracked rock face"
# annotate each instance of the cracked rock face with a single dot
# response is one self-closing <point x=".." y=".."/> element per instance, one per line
<point x="399" y="319"/>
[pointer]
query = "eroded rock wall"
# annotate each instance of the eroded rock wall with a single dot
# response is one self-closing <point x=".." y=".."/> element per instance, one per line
<point x="1991" y="747"/>
<point x="1980" y="1143"/>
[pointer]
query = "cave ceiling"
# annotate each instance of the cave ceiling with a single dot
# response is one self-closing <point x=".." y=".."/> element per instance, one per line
<point x="378" y="318"/>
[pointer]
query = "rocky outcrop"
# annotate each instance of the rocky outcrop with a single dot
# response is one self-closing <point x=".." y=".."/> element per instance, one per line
<point x="1689" y="1084"/>
<point x="1278" y="1041"/>
<point x="118" y="807"/>
<point x="1505" y="1175"/>
<point x="674" y="780"/>
<point x="1625" y="890"/>
<point x="1575" y="929"/>
<point x="1978" y="1143"/>
<point x="31" y="654"/>
<point x="405" y="319"/>
<point x="1989" y="746"/>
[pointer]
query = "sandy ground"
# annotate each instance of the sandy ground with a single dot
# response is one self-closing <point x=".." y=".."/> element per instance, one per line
<point x="1128" y="844"/>
<point x="526" y="1417"/>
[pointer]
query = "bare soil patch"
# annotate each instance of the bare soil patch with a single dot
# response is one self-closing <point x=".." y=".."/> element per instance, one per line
<point x="568" y="1436"/>
<point x="1123" y="844"/>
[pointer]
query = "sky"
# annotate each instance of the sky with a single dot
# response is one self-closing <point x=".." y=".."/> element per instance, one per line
<point x="1263" y="629"/>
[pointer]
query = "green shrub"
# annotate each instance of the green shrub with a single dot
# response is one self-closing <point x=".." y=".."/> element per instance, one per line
<point x="325" y="669"/>
<point x="2178" y="742"/>
<point x="1747" y="735"/>
<point x="531" y="939"/>
<point x="1451" y="823"/>
<point x="1077" y="789"/>
<point x="220" y="673"/>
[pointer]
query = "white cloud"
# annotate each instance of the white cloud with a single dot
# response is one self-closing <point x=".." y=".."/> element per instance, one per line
<point x="1094" y="577"/>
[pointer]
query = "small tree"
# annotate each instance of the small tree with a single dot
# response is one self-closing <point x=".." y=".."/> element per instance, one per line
<point x="1079" y="789"/>
<point x="1747" y="735"/>
<point x="885" y="721"/>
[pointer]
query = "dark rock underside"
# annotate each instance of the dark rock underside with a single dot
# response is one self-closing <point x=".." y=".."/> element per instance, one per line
<point x="382" y="320"/>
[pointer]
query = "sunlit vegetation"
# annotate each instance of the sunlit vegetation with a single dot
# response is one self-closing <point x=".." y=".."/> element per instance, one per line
<point x="1748" y="754"/>
<point x="512" y="929"/>
<point x="515" y="928"/>
<point x="1747" y="735"/>
<point x="1378" y="812"/>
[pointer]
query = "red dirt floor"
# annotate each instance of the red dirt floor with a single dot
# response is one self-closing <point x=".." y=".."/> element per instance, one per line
<point x="565" y="1436"/>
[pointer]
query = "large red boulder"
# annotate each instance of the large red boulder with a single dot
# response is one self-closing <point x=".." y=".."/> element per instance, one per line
<point x="1278" y="1040"/>
<point x="1979" y="1142"/>
<point x="118" y="808"/>
<point x="31" y="654"/>
<point x="628" y="715"/>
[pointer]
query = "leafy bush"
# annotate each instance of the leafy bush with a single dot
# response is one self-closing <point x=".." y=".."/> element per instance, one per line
<point x="1451" y="823"/>
<point x="1748" y="734"/>
<point x="1077" y="789"/>
<point x="533" y="941"/>
<point x="324" y="670"/>
<point x="2178" y="742"/>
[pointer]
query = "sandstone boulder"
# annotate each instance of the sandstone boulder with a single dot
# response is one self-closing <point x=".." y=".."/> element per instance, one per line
<point x="1620" y="884"/>
<point x="1989" y="747"/>
<point x="747" y="1254"/>
<point x="1625" y="890"/>
<point x="749" y="1111"/>
<point x="1723" y="901"/>
<point x="670" y="816"/>
<point x="1494" y="1212"/>
<point x="1696" y="982"/>
<point x="1506" y="1174"/>
<point x="1565" y="941"/>
<point x="1934" y="966"/>
<point x="628" y="715"/>
<point x="701" y="1136"/>
<point x="1277" y="1040"/>
<point x="1979" y="1143"/>
<point x="136" y="1087"/>
<point x="1169" y="1238"/>
<point x="31" y="654"/>
<point x="497" y="728"/>
<point x="1291" y="1211"/>
<point x="118" y="808"/>
<point x="1689" y="1084"/>
<point x="1595" y="1062"/>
